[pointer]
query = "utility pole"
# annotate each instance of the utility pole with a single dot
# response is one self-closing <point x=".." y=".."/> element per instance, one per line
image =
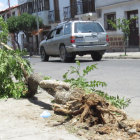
<point x="37" y="22"/>
<point x="9" y="3"/>
<point x="9" y="7"/>
<point x="37" y="18"/>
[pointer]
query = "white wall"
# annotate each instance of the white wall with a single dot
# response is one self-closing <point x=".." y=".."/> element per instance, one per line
<point x="51" y="5"/>
<point x="62" y="4"/>
<point x="23" y="1"/>
<point x="100" y="3"/>
<point x="16" y="11"/>
<point x="121" y="11"/>
<point x="44" y="16"/>
<point x="20" y="39"/>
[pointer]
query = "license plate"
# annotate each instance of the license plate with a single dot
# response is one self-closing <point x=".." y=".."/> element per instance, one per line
<point x="79" y="39"/>
<point x="91" y="39"/>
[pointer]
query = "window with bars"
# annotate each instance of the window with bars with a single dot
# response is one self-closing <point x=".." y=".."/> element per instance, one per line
<point x="40" y="5"/>
<point x="112" y="17"/>
<point x="35" y="6"/>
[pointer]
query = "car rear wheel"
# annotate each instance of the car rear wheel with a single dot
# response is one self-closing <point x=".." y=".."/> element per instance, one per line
<point x="64" y="56"/>
<point x="96" y="56"/>
<point x="72" y="58"/>
<point x="44" y="56"/>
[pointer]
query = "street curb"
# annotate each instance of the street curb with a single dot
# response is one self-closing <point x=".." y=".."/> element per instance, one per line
<point x="120" y="57"/>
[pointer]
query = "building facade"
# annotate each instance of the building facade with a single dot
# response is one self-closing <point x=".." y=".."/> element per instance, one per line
<point x="12" y="11"/>
<point x="111" y="10"/>
<point x="53" y="12"/>
<point x="61" y="10"/>
<point x="35" y="7"/>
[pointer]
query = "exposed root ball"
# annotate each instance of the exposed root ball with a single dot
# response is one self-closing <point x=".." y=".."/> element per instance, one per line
<point x="91" y="108"/>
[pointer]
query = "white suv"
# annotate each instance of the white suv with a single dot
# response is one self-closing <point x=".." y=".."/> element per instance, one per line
<point x="73" y="38"/>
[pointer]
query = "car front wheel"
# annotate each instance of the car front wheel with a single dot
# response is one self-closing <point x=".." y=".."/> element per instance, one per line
<point x="44" y="56"/>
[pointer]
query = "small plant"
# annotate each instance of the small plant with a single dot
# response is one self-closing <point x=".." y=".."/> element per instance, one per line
<point x="79" y="80"/>
<point x="124" y="26"/>
<point x="46" y="78"/>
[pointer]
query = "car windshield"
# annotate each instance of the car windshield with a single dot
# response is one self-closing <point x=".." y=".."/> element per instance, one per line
<point x="86" y="27"/>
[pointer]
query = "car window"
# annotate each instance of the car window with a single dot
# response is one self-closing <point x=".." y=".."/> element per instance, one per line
<point x="67" y="28"/>
<point x="51" y="34"/>
<point x="86" y="27"/>
<point x="59" y="31"/>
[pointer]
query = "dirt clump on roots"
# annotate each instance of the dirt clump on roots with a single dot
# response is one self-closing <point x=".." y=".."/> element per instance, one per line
<point x="90" y="108"/>
<point x="91" y="116"/>
<point x="88" y="115"/>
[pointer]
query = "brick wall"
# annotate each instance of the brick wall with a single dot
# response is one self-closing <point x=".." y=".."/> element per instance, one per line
<point x="116" y="43"/>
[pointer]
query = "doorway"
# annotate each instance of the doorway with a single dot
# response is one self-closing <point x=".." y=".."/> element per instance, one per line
<point x="134" y="29"/>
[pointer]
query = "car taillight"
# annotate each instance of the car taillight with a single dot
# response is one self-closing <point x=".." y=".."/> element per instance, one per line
<point x="72" y="39"/>
<point x="107" y="38"/>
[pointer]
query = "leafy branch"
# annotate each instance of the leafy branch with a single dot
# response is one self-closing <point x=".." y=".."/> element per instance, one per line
<point x="78" y="79"/>
<point x="11" y="72"/>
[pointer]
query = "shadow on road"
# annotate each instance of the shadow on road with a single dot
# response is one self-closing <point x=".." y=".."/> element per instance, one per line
<point x="57" y="60"/>
<point x="35" y="101"/>
<point x="80" y="60"/>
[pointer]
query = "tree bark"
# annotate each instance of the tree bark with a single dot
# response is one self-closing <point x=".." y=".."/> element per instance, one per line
<point x="13" y="41"/>
<point x="16" y="40"/>
<point x="32" y="84"/>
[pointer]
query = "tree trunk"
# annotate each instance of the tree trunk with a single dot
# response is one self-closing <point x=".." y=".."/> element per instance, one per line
<point x="13" y="41"/>
<point x="32" y="84"/>
<point x="16" y="40"/>
<point x="29" y="48"/>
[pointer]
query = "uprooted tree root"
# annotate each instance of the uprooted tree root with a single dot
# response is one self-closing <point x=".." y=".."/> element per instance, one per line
<point x="91" y="108"/>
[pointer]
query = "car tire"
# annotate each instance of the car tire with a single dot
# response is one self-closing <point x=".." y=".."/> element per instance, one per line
<point x="64" y="56"/>
<point x="96" y="56"/>
<point x="44" y="56"/>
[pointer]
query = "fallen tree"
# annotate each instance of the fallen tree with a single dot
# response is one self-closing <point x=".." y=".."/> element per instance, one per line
<point x="72" y="101"/>
<point x="76" y="99"/>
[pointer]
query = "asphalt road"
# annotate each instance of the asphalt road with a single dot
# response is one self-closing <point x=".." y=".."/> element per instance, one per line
<point x="121" y="75"/>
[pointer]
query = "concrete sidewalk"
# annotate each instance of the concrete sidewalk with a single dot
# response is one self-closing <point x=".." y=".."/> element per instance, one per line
<point x="118" y="55"/>
<point x="20" y="120"/>
<point x="121" y="55"/>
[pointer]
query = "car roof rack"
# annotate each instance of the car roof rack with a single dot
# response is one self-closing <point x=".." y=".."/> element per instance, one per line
<point x="63" y="22"/>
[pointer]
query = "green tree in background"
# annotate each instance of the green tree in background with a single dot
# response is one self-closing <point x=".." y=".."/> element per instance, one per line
<point x="11" y="73"/>
<point x="3" y="30"/>
<point x="124" y="26"/>
<point x="25" y="22"/>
